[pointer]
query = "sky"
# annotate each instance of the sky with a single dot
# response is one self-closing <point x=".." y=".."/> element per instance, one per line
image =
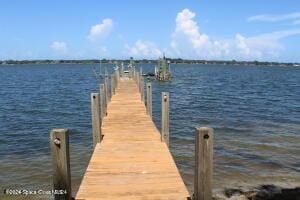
<point x="264" y="30"/>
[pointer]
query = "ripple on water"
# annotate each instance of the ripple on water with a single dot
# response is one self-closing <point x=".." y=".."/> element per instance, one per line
<point x="254" y="112"/>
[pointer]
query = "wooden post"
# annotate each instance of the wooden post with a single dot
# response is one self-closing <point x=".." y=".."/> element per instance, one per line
<point x="102" y="102"/>
<point x="141" y="71"/>
<point x="141" y="75"/>
<point x="96" y="120"/>
<point x="137" y="80"/>
<point x="118" y="75"/>
<point x="133" y="73"/>
<point x="116" y="80"/>
<point x="106" y="89"/>
<point x="165" y="117"/>
<point x="59" y="143"/>
<point x="122" y="70"/>
<point x="142" y="88"/>
<point x="112" y="85"/>
<point x="203" y="164"/>
<point x="149" y="99"/>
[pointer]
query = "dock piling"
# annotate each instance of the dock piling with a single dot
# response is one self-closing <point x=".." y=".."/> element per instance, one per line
<point x="203" y="163"/>
<point x="95" y="100"/>
<point x="102" y="101"/>
<point x="112" y="85"/>
<point x="137" y="80"/>
<point x="142" y="88"/>
<point x="149" y="99"/>
<point x="165" y="117"/>
<point x="122" y="70"/>
<point x="59" y="143"/>
<point x="106" y="88"/>
<point x="117" y="76"/>
<point x="116" y="79"/>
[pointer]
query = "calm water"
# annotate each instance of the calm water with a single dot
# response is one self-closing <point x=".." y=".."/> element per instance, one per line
<point x="255" y="112"/>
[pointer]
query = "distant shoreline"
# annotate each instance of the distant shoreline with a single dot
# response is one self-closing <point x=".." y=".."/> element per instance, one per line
<point x="145" y="61"/>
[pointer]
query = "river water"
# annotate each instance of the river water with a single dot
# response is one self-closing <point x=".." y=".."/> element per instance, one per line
<point x="254" y="110"/>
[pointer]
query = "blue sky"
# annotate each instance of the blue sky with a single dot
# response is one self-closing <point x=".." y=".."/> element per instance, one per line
<point x="194" y="29"/>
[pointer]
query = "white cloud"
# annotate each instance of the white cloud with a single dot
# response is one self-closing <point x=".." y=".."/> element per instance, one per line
<point x="143" y="49"/>
<point x="275" y="18"/>
<point x="187" y="27"/>
<point x="102" y="51"/>
<point x="269" y="44"/>
<point x="296" y="22"/>
<point x="187" y="41"/>
<point x="60" y="47"/>
<point x="101" y="30"/>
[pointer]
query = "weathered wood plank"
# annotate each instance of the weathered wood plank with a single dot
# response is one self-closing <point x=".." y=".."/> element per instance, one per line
<point x="131" y="162"/>
<point x="149" y="99"/>
<point x="203" y="163"/>
<point x="165" y="117"/>
<point x="142" y="89"/>
<point x="112" y="85"/>
<point x="102" y="102"/>
<point x="96" y="119"/>
<point x="106" y="85"/>
<point x="59" y="143"/>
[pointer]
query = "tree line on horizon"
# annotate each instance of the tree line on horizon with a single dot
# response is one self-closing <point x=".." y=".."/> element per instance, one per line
<point x="150" y="61"/>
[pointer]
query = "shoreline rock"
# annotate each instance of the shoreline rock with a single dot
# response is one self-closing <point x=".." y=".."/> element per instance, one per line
<point x="262" y="192"/>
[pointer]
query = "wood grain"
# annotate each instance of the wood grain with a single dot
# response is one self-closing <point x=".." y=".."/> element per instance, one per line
<point x="131" y="162"/>
<point x="165" y="119"/>
<point x="204" y="163"/>
<point x="96" y="119"/>
<point x="59" y="143"/>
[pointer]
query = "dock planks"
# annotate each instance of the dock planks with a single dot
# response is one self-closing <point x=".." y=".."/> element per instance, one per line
<point x="131" y="162"/>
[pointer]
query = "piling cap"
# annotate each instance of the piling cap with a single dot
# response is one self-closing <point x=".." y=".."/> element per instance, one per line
<point x="59" y="130"/>
<point x="204" y="130"/>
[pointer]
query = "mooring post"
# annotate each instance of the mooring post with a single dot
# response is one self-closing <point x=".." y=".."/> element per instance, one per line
<point x="112" y="84"/>
<point x="59" y="144"/>
<point x="116" y="80"/>
<point x="105" y="100"/>
<point x="149" y="99"/>
<point x="122" y="70"/>
<point x="102" y="101"/>
<point x="142" y="88"/>
<point x="96" y="120"/>
<point x="106" y="89"/>
<point x="203" y="164"/>
<point x="137" y="79"/>
<point x="165" y="117"/>
<point x="134" y="75"/>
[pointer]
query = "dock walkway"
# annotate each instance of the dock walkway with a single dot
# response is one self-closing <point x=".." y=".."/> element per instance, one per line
<point x="131" y="162"/>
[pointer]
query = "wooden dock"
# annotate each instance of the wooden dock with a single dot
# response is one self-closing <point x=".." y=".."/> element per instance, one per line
<point x="131" y="158"/>
<point x="131" y="162"/>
